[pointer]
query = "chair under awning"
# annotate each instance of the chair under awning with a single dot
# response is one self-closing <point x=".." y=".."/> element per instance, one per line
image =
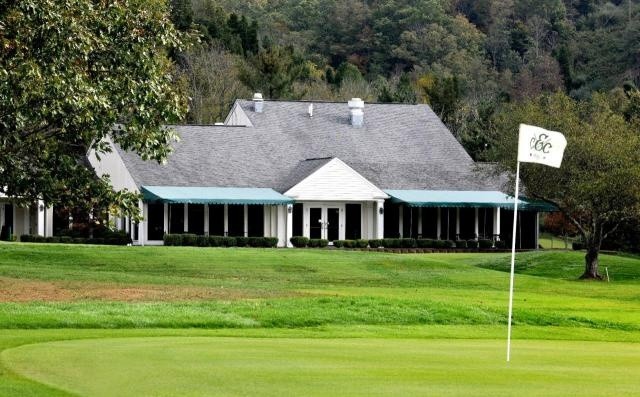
<point x="213" y="195"/>
<point x="465" y="199"/>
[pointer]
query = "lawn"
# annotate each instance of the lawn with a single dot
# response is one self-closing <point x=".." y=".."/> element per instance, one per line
<point x="209" y="321"/>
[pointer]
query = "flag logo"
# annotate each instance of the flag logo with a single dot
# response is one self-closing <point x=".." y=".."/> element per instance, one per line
<point x="537" y="145"/>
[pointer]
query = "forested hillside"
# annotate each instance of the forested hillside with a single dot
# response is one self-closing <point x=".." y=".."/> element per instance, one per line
<point x="466" y="58"/>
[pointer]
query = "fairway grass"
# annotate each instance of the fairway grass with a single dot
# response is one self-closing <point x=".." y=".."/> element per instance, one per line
<point x="205" y="366"/>
<point x="74" y="319"/>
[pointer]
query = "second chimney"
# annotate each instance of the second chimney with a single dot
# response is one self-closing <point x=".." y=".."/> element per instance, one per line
<point x="356" y="112"/>
<point x="258" y="103"/>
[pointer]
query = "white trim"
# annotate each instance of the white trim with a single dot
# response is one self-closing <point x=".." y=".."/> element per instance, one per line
<point x="314" y="186"/>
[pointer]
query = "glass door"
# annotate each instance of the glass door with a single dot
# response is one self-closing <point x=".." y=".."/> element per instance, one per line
<point x="316" y="222"/>
<point x="333" y="223"/>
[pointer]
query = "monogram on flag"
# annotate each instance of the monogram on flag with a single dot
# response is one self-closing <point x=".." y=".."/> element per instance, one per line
<point x="537" y="145"/>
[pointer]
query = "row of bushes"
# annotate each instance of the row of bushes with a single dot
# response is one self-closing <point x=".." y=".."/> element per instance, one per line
<point x="120" y="240"/>
<point x="192" y="240"/>
<point x="299" y="241"/>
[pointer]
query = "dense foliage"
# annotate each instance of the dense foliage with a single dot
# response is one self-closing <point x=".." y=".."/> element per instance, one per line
<point x="69" y="71"/>
<point x="466" y="58"/>
<point x="598" y="186"/>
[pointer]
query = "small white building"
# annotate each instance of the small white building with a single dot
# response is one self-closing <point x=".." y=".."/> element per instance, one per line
<point x="318" y="169"/>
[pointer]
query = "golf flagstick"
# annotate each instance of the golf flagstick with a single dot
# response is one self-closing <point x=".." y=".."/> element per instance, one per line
<point x="535" y="145"/>
<point x="513" y="260"/>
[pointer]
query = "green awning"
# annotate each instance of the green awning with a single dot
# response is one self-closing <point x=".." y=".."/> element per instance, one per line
<point x="465" y="199"/>
<point x="214" y="195"/>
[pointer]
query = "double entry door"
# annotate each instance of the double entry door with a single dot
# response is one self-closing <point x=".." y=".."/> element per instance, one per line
<point x="326" y="221"/>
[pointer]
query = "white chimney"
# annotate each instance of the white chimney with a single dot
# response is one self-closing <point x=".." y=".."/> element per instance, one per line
<point x="258" y="103"/>
<point x="356" y="110"/>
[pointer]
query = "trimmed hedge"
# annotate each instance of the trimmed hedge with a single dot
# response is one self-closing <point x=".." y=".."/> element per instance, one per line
<point x="218" y="241"/>
<point x="485" y="243"/>
<point x="461" y="244"/>
<point x="318" y="243"/>
<point x="502" y="244"/>
<point x="361" y="243"/>
<point x="299" y="241"/>
<point x="376" y="243"/>
<point x="472" y="243"/>
<point x="115" y="239"/>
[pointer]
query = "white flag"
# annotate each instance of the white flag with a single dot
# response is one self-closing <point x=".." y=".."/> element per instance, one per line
<point x="537" y="145"/>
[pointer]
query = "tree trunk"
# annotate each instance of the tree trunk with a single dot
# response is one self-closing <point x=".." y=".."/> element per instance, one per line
<point x="591" y="262"/>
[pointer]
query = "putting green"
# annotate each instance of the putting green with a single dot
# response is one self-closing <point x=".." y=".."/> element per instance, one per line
<point x="198" y="366"/>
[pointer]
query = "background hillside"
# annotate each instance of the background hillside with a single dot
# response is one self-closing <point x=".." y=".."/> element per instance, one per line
<point x="465" y="58"/>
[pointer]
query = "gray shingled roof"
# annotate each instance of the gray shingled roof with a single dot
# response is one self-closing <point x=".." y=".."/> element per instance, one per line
<point x="399" y="147"/>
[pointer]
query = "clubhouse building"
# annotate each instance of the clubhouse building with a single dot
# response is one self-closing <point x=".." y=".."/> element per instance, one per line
<point x="318" y="169"/>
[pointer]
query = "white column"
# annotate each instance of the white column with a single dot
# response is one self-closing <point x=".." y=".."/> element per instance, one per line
<point x="226" y="219"/>
<point x="379" y="215"/>
<point x="49" y="222"/>
<point x="186" y="218"/>
<point x="2" y="217"/>
<point x="457" y="222"/>
<point x="41" y="219"/>
<point x="246" y="220"/>
<point x="206" y="219"/>
<point x="419" y="221"/>
<point x="342" y="223"/>
<point x="475" y="225"/>
<point x="266" y="211"/>
<point x="401" y="220"/>
<point x="496" y="223"/>
<point x="274" y="221"/>
<point x="306" y="230"/>
<point x="26" y="219"/>
<point x="439" y="224"/>
<point x="289" y="234"/>
<point x="127" y="226"/>
<point x="165" y="224"/>
<point x="142" y="226"/>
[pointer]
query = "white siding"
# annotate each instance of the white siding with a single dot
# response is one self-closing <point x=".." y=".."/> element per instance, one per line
<point x="111" y="164"/>
<point x="335" y="181"/>
<point x="237" y="117"/>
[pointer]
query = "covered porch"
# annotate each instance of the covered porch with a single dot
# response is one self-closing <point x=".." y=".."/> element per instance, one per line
<point x="236" y="212"/>
<point x="461" y="215"/>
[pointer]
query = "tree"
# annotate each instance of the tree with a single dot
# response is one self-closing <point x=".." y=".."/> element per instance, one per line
<point x="598" y="185"/>
<point x="70" y="70"/>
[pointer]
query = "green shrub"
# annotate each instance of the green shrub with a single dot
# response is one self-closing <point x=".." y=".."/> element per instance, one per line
<point x="502" y="244"/>
<point x="173" y="239"/>
<point x="270" y="242"/>
<point x="472" y="243"/>
<point x="485" y="243"/>
<point x="448" y="243"/>
<point x="361" y="243"/>
<point x="229" y="241"/>
<point x="189" y="239"/>
<point x="215" y="241"/>
<point x="425" y="243"/>
<point x="461" y="244"/>
<point x="318" y="243"/>
<point x="338" y="243"/>
<point x="376" y="243"/>
<point x="349" y="243"/>
<point x="299" y="241"/>
<point x="242" y="241"/>
<point x="66" y="239"/>
<point x="5" y="233"/>
<point x="202" y="241"/>
<point x="408" y="242"/>
<point x="26" y="238"/>
<point x="391" y="243"/>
